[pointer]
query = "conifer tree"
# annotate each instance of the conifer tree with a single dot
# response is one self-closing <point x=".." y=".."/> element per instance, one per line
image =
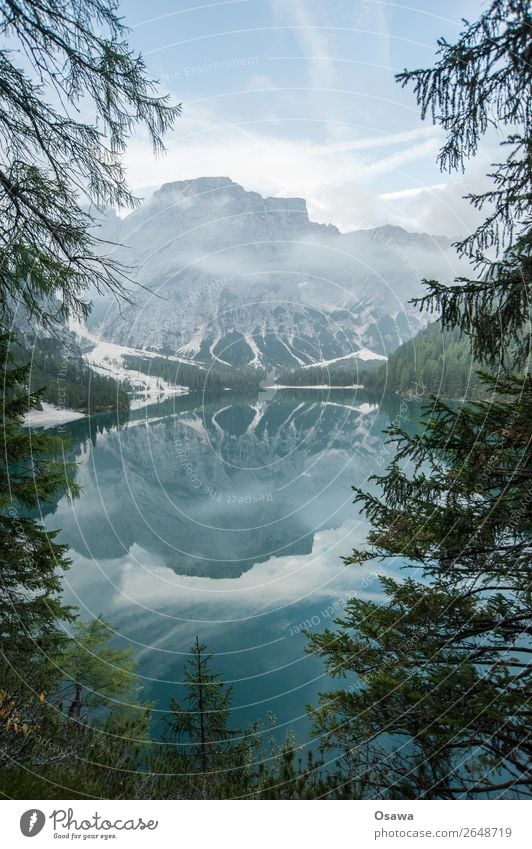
<point x="32" y="615"/>
<point x="90" y="726"/>
<point x="439" y="674"/>
<point x="60" y="60"/>
<point x="207" y="758"/>
<point x="54" y="165"/>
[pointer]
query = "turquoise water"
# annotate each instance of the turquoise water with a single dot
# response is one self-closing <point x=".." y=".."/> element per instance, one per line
<point x="226" y="517"/>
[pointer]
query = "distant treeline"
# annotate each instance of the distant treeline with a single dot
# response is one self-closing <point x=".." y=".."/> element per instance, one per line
<point x="435" y="362"/>
<point x="184" y="374"/>
<point x="320" y="376"/>
<point x="65" y="378"/>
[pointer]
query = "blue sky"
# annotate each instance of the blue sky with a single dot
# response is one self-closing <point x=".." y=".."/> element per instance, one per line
<point x="298" y="97"/>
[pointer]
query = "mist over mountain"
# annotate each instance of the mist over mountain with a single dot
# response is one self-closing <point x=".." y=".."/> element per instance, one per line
<point x="230" y="276"/>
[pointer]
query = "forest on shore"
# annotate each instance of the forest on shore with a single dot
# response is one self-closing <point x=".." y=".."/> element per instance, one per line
<point x="435" y="362"/>
<point x="197" y="377"/>
<point x="58" y="373"/>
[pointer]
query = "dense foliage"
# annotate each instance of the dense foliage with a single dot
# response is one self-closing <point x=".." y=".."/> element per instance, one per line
<point x="437" y="702"/>
<point x="56" y="57"/>
<point x="32" y="616"/>
<point x="58" y="371"/>
<point x="347" y="375"/>
<point x="206" y="758"/>
<point x="93" y="725"/>
<point x="91" y="731"/>
<point x="435" y="362"/>
<point x="443" y="666"/>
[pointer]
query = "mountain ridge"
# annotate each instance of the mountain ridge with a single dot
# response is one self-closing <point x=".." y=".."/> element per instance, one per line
<point x="231" y="276"/>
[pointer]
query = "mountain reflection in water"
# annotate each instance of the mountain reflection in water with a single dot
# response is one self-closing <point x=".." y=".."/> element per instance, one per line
<point x="225" y="516"/>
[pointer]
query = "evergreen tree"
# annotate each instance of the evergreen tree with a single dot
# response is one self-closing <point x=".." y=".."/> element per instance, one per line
<point x="196" y="376"/>
<point x="207" y="758"/>
<point x="434" y="362"/>
<point x="439" y="674"/>
<point x="32" y="616"/>
<point x="59" y="371"/>
<point x="94" y="672"/>
<point x="75" y="51"/>
<point x="484" y="80"/>
<point x="70" y="54"/>
<point x="101" y="714"/>
<point x="91" y="725"/>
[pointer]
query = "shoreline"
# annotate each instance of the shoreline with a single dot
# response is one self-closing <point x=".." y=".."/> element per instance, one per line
<point x="309" y="386"/>
<point x="50" y="415"/>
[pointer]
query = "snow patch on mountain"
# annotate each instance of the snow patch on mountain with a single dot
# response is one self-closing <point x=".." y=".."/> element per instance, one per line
<point x="229" y="276"/>
<point x="107" y="358"/>
<point x="363" y="354"/>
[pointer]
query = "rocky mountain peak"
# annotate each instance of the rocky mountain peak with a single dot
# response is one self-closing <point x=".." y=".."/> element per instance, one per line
<point x="212" y="193"/>
<point x="233" y="277"/>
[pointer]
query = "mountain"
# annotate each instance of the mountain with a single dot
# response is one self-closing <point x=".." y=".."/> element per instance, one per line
<point x="230" y="276"/>
<point x="434" y="362"/>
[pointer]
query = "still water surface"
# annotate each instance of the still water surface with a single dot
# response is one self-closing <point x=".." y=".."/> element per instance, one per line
<point x="226" y="517"/>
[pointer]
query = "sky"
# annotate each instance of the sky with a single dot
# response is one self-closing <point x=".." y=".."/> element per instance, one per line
<point x="298" y="98"/>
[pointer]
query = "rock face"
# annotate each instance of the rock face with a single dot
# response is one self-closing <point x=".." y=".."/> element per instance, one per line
<point x="230" y="276"/>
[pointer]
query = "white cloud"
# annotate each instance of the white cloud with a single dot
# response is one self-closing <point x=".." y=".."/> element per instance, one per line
<point x="256" y="82"/>
<point x="313" y="42"/>
<point x="442" y="209"/>
<point x="410" y="193"/>
<point x="141" y="580"/>
<point x="337" y="178"/>
<point x="283" y="140"/>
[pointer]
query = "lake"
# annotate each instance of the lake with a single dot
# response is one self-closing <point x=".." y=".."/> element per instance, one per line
<point x="226" y="517"/>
